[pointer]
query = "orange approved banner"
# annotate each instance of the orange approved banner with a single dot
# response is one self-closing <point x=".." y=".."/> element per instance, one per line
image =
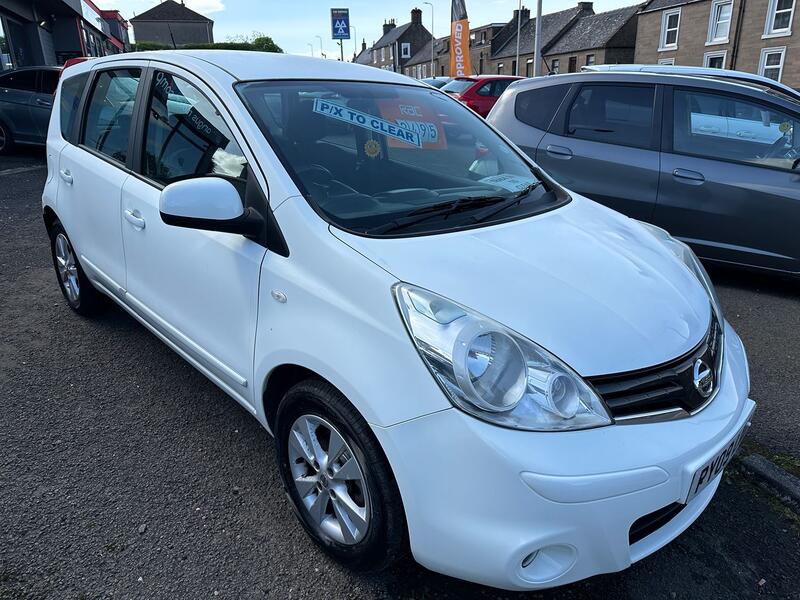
<point x="460" y="63"/>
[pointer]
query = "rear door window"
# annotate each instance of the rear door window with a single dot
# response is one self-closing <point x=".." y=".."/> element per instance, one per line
<point x="613" y="114"/>
<point x="537" y="107"/>
<point x="501" y="85"/>
<point x="110" y="112"/>
<point x="186" y="137"/>
<point x="71" y="93"/>
<point x="24" y="81"/>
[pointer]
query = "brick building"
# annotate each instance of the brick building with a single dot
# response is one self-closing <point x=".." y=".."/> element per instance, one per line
<point x="747" y="35"/>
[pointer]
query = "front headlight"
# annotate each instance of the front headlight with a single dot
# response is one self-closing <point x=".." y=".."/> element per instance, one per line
<point x="494" y="373"/>
<point x="688" y="258"/>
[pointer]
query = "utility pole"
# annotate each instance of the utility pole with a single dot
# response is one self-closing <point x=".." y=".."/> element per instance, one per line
<point x="433" y="38"/>
<point x="312" y="49"/>
<point x="519" y="27"/>
<point x="355" y="41"/>
<point x="537" y="52"/>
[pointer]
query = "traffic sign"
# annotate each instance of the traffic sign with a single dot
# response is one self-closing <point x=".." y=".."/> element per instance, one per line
<point x="340" y="23"/>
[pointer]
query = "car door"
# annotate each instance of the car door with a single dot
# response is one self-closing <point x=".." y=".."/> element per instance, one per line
<point x="17" y="90"/>
<point x="93" y="172"/>
<point x="603" y="144"/>
<point x="42" y="101"/>
<point x="733" y="197"/>
<point x="198" y="288"/>
<point x="480" y="98"/>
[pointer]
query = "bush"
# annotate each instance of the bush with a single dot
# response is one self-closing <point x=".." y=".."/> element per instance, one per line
<point x="257" y="44"/>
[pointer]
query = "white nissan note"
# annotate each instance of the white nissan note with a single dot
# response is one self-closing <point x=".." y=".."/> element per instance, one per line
<point x="456" y="356"/>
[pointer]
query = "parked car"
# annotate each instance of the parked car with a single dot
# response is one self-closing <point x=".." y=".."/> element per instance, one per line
<point x="712" y="158"/>
<point x="479" y="92"/>
<point x="455" y="355"/>
<point x="437" y="82"/>
<point x="26" y="99"/>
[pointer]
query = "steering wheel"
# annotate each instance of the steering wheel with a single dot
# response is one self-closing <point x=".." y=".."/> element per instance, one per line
<point x="316" y="174"/>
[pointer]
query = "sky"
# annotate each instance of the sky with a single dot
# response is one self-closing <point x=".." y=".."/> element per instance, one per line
<point x="294" y="24"/>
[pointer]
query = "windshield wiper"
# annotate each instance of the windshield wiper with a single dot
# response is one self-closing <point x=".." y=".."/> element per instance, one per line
<point x="482" y="216"/>
<point x="444" y="209"/>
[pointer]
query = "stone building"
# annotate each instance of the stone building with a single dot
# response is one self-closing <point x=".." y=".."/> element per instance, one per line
<point x="172" y="24"/>
<point x="748" y="35"/>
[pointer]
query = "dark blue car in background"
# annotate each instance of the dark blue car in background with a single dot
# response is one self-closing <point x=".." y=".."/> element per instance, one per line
<point x="26" y="99"/>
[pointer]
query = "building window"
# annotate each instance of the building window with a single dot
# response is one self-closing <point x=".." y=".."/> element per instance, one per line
<point x="771" y="63"/>
<point x="374" y="57"/>
<point x="715" y="60"/>
<point x="480" y="65"/>
<point x="670" y="23"/>
<point x="405" y="50"/>
<point x="529" y="68"/>
<point x="383" y="53"/>
<point x="719" y="23"/>
<point x="555" y="66"/>
<point x="573" y="64"/>
<point x="424" y="71"/>
<point x="666" y="61"/>
<point x="779" y="18"/>
<point x="5" y="50"/>
<point x="483" y="37"/>
<point x="514" y="67"/>
<point x="441" y="70"/>
<point x="589" y="60"/>
<point x="500" y="68"/>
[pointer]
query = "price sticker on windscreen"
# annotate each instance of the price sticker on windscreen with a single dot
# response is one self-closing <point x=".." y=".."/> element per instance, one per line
<point x="393" y="131"/>
<point x="416" y="117"/>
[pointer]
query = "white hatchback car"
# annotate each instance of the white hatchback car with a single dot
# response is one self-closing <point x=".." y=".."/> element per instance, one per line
<point x="455" y="354"/>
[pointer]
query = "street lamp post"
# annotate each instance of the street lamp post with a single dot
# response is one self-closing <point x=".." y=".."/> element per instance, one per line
<point x="519" y="27"/>
<point x="355" y="40"/>
<point x="433" y="38"/>
<point x="537" y="46"/>
<point x="321" y="50"/>
<point x="310" y="45"/>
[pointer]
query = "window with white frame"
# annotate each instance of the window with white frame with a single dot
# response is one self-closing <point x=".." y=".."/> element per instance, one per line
<point x="405" y="50"/>
<point x="715" y="60"/>
<point x="383" y="53"/>
<point x="500" y="68"/>
<point x="391" y="52"/>
<point x="670" y="23"/>
<point x="779" y="18"/>
<point x="555" y="66"/>
<point x="374" y="57"/>
<point x="771" y="62"/>
<point x="719" y="23"/>
<point x="424" y="71"/>
<point x="666" y="61"/>
<point x="589" y="60"/>
<point x="529" y="68"/>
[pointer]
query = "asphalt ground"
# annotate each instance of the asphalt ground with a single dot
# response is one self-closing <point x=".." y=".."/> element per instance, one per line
<point x="125" y="473"/>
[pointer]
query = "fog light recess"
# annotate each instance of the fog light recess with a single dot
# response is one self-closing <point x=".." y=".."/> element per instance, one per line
<point x="548" y="563"/>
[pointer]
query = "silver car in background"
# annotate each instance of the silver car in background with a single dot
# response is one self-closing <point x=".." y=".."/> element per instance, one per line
<point x="712" y="159"/>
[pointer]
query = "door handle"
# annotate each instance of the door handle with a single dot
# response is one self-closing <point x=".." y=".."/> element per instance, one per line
<point x="559" y="151"/>
<point x="66" y="176"/>
<point x="745" y="134"/>
<point x="709" y="129"/>
<point x="688" y="176"/>
<point x="134" y="219"/>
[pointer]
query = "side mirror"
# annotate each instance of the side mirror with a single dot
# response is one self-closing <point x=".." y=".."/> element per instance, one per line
<point x="208" y="203"/>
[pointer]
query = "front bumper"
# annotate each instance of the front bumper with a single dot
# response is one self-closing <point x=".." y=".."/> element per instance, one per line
<point x="480" y="499"/>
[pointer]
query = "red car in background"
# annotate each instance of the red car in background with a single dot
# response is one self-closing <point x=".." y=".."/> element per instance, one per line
<point x="479" y="92"/>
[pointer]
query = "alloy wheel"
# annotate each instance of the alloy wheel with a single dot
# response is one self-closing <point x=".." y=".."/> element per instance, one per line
<point x="67" y="267"/>
<point x="329" y="480"/>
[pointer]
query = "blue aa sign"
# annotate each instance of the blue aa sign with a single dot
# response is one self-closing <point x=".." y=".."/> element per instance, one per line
<point x="340" y="23"/>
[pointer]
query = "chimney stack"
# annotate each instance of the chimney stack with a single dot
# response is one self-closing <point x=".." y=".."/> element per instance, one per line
<point x="416" y="17"/>
<point x="587" y="6"/>
<point x="363" y="44"/>
<point x="388" y="26"/>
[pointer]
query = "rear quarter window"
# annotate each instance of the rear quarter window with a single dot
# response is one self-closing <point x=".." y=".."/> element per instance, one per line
<point x="537" y="107"/>
<point x="71" y="92"/>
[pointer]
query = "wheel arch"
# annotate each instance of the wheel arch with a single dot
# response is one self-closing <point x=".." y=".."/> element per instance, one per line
<point x="279" y="380"/>
<point x="50" y="218"/>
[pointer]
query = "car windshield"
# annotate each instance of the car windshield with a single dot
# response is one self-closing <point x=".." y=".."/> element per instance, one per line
<point x="390" y="159"/>
<point x="458" y="86"/>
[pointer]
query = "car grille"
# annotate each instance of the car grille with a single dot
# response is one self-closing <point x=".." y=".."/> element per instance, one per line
<point x="652" y="522"/>
<point x="667" y="388"/>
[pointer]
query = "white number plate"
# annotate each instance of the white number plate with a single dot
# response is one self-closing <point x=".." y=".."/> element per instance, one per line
<point x="706" y="474"/>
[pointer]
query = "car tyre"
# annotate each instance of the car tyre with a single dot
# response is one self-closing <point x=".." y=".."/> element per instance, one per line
<point x="6" y="139"/>
<point x="76" y="288"/>
<point x="310" y="417"/>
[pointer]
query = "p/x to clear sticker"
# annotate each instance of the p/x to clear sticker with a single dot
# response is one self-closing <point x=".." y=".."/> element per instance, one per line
<point x="366" y="121"/>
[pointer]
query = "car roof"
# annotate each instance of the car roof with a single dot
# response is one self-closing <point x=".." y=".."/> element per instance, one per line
<point x="727" y="74"/>
<point x="750" y="88"/>
<point x="248" y="65"/>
